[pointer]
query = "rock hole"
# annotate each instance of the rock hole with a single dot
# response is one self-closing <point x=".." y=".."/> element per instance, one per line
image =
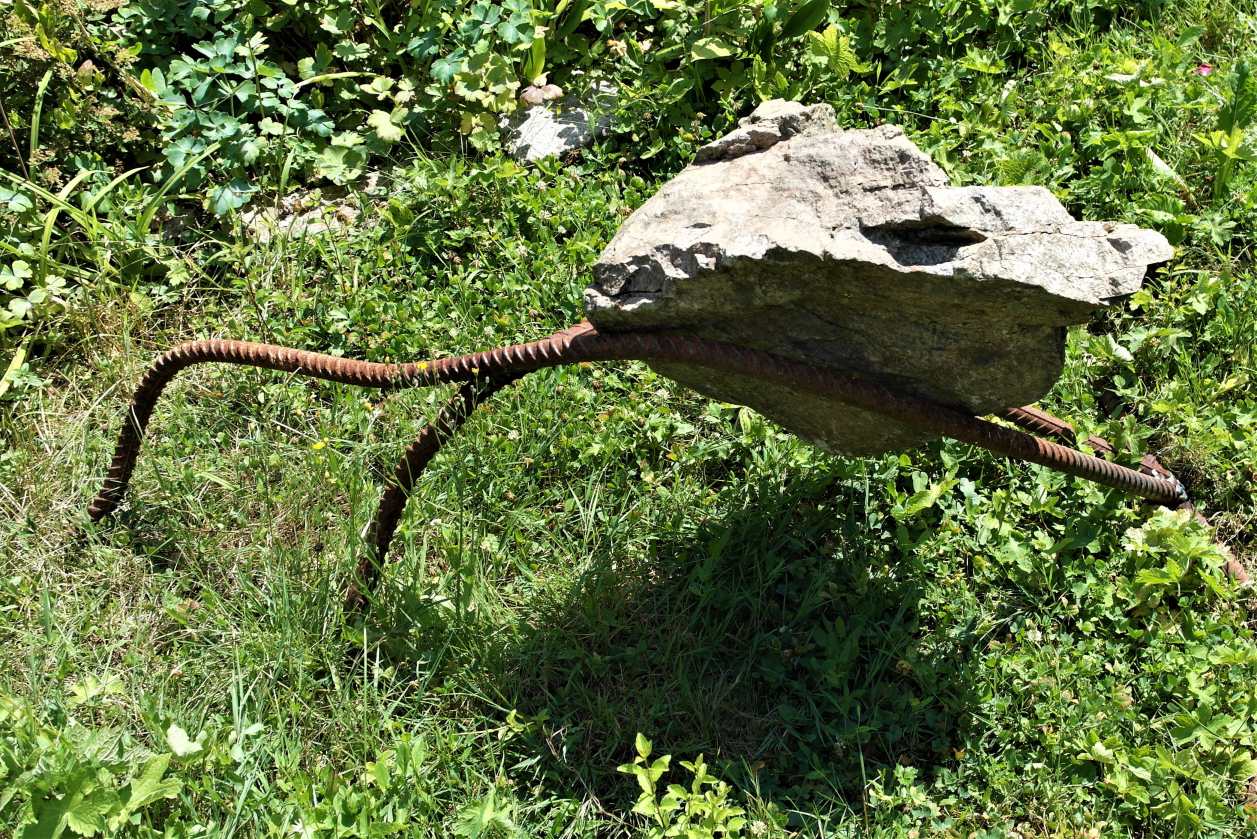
<point x="922" y="243"/>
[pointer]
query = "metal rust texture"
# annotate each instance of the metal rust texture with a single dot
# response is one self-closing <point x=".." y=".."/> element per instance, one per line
<point x="491" y="370"/>
<point x="584" y="343"/>
<point x="168" y="365"/>
<point x="1041" y="422"/>
<point x="413" y="461"/>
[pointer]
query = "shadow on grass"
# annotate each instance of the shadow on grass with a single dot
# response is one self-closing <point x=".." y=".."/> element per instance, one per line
<point x="144" y="530"/>
<point x="781" y="637"/>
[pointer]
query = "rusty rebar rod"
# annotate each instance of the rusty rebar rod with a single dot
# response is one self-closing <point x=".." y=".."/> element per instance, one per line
<point x="168" y="365"/>
<point x="397" y="491"/>
<point x="1041" y="422"/>
<point x="582" y="343"/>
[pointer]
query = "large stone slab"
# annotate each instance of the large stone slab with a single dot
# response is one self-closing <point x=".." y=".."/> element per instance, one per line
<point x="849" y="249"/>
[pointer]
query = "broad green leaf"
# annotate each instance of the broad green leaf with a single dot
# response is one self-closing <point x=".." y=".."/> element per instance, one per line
<point x="1101" y="753"/>
<point x="708" y="48"/>
<point x="1155" y="577"/>
<point x="678" y="88"/>
<point x="445" y="68"/>
<point x="646" y="806"/>
<point x="382" y="122"/>
<point x="88" y="816"/>
<point x="340" y="164"/>
<point x="251" y="149"/>
<point x="342" y="23"/>
<point x="230" y="196"/>
<point x="154" y="81"/>
<point x="49" y="821"/>
<point x="485" y="818"/>
<point x="643" y="746"/>
<point x="517" y="30"/>
<point x="1164" y="169"/>
<point x="52" y="812"/>
<point x="1118" y="351"/>
<point x="982" y="61"/>
<point x="535" y="64"/>
<point x="835" y="49"/>
<point x="15" y="201"/>
<point x="806" y="18"/>
<point x="149" y="786"/>
<point x="379" y="87"/>
<point x="1240" y="109"/>
<point x="14" y="275"/>
<point x="921" y="501"/>
<point x="180" y="743"/>
<point x="19" y="307"/>
<point x="10" y="373"/>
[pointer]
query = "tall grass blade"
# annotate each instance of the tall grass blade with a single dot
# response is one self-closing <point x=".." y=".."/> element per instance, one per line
<point x="37" y="115"/>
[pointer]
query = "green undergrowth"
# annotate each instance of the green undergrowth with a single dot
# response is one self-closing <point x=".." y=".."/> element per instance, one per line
<point x="619" y="609"/>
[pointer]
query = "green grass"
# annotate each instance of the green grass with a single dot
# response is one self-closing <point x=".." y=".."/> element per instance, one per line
<point x="601" y="553"/>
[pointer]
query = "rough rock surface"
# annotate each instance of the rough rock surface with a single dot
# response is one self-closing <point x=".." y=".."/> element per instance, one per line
<point x="270" y="223"/>
<point x="556" y="128"/>
<point x="849" y="249"/>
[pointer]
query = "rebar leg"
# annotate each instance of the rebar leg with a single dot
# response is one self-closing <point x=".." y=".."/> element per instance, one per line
<point x="1041" y="422"/>
<point x="1038" y="421"/>
<point x="244" y="353"/>
<point x="397" y="492"/>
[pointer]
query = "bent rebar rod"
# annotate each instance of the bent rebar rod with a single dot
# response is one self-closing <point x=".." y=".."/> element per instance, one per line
<point x="397" y="491"/>
<point x="582" y="343"/>
<point x="1041" y="422"/>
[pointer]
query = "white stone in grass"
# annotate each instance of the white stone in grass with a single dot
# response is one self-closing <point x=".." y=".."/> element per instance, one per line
<point x="558" y="126"/>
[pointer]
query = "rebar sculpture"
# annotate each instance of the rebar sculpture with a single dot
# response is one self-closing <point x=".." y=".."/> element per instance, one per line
<point x="834" y="280"/>
<point x="482" y="374"/>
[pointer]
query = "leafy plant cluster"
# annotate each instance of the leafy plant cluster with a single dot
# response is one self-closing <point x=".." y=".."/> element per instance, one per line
<point x="69" y="101"/>
<point x="160" y="115"/>
<point x="66" y="779"/>
<point x="64" y="775"/>
<point x="698" y="811"/>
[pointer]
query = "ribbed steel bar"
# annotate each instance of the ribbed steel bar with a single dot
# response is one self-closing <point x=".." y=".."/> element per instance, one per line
<point x="506" y="361"/>
<point x="168" y="365"/>
<point x="397" y="491"/>
<point x="582" y="343"/>
<point x="1038" y="421"/>
<point x="1041" y="422"/>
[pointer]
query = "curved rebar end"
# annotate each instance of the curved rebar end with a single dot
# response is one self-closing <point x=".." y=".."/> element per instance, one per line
<point x="244" y="353"/>
<point x="105" y="502"/>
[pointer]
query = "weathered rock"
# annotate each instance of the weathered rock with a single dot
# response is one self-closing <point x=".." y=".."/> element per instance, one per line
<point x="849" y="249"/>
<point x="299" y="216"/>
<point x="554" y="128"/>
